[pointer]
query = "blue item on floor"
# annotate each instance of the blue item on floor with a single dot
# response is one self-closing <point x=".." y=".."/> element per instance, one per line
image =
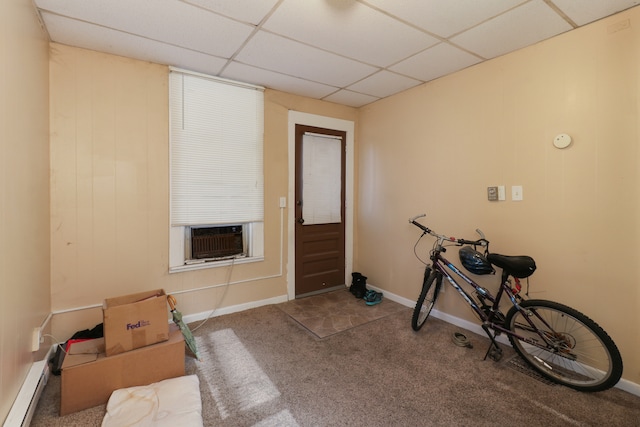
<point x="372" y="297"/>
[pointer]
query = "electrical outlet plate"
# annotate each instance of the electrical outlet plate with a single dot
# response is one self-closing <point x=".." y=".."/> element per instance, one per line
<point x="516" y="193"/>
<point x="35" y="339"/>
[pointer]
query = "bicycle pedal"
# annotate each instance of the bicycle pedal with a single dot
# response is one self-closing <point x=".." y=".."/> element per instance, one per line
<point x="495" y="354"/>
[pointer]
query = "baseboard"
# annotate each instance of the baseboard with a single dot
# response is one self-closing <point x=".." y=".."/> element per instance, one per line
<point x="233" y="309"/>
<point x="27" y="400"/>
<point x="626" y="385"/>
<point x="25" y="404"/>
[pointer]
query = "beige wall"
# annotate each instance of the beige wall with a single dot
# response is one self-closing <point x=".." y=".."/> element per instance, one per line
<point x="24" y="192"/>
<point x="110" y="194"/>
<point x="489" y="125"/>
<point x="437" y="148"/>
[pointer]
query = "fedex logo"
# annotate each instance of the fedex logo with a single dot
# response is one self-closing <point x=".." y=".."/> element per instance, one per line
<point x="140" y="324"/>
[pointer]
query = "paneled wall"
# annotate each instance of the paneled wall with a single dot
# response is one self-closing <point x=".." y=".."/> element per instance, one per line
<point x="110" y="191"/>
<point x="24" y="192"/>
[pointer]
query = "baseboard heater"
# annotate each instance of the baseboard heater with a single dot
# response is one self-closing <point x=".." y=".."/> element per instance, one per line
<point x="25" y="404"/>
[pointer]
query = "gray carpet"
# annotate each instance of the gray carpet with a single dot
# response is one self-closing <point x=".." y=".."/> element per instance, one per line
<point x="262" y="368"/>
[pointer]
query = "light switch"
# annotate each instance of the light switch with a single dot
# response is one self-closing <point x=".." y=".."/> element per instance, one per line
<point x="502" y="193"/>
<point x="516" y="193"/>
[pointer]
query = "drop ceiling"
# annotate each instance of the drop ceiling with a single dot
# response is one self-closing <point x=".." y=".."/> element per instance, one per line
<point x="351" y="52"/>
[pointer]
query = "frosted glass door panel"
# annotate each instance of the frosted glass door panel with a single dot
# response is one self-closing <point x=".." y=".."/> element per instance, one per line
<point x="321" y="175"/>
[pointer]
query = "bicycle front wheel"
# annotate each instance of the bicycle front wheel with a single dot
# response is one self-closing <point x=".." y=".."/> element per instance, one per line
<point x="564" y="345"/>
<point x="430" y="289"/>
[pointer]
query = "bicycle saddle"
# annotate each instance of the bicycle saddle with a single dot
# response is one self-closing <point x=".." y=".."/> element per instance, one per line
<point x="518" y="266"/>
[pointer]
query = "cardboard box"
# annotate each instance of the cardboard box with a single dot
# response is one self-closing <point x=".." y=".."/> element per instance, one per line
<point x="89" y="378"/>
<point x="134" y="321"/>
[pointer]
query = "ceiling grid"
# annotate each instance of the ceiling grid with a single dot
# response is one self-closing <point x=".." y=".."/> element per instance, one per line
<point x="351" y="52"/>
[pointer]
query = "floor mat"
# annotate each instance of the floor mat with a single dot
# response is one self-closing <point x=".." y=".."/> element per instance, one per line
<point x="337" y="311"/>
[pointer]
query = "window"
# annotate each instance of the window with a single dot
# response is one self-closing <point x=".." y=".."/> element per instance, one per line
<point x="216" y="171"/>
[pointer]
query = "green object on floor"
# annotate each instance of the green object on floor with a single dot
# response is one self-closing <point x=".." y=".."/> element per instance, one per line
<point x="186" y="332"/>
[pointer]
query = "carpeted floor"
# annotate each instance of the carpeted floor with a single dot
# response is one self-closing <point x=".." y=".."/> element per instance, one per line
<point x="261" y="367"/>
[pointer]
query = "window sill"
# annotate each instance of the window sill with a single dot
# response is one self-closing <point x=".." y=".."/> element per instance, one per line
<point x="214" y="264"/>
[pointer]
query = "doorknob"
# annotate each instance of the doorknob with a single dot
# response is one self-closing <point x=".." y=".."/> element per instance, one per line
<point x="301" y="220"/>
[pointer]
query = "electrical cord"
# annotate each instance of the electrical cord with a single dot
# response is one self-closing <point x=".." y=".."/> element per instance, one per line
<point x="226" y="288"/>
<point x="59" y="344"/>
<point x="415" y="252"/>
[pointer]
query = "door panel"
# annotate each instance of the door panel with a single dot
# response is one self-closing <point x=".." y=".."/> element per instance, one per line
<point x="320" y="196"/>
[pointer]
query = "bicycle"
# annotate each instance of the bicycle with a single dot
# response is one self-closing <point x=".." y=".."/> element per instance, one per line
<point x="558" y="341"/>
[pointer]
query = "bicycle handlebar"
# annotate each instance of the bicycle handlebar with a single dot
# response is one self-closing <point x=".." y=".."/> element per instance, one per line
<point x="416" y="217"/>
<point x="482" y="241"/>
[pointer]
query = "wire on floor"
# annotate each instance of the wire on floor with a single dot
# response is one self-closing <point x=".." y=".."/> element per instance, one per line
<point x="226" y="288"/>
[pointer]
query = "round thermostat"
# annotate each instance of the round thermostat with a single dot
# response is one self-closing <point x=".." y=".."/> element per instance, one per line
<point x="562" y="141"/>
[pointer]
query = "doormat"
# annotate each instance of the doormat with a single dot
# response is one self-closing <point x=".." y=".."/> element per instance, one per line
<point x="337" y="311"/>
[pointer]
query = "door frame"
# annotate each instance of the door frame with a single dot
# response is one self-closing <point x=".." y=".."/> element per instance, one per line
<point x="297" y="117"/>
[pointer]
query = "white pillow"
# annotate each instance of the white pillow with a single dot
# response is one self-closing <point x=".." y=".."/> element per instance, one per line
<point x="172" y="402"/>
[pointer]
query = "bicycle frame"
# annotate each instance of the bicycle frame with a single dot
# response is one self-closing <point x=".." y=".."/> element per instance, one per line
<point x="439" y="264"/>
<point x="542" y="332"/>
<point x="487" y="319"/>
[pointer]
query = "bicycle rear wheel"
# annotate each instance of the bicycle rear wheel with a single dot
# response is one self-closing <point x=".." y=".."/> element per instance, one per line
<point x="578" y="353"/>
<point x="430" y="289"/>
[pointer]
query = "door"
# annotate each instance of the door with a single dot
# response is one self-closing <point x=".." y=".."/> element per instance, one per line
<point x="319" y="209"/>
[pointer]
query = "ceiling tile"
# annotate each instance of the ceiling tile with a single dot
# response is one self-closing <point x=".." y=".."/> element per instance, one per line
<point x="383" y="84"/>
<point x="520" y="27"/>
<point x="276" y="53"/>
<point x="249" y="11"/>
<point x="435" y="62"/>
<point x="176" y="23"/>
<point x="445" y="17"/>
<point x="277" y="81"/>
<point x="358" y="31"/>
<point x="352" y="99"/>
<point x="347" y="51"/>
<point x="586" y="11"/>
<point x="88" y="36"/>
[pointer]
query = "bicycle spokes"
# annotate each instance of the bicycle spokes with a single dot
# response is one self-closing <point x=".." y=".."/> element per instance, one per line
<point x="564" y="345"/>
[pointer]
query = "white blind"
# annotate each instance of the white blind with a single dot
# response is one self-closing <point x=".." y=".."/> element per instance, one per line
<point x="216" y="150"/>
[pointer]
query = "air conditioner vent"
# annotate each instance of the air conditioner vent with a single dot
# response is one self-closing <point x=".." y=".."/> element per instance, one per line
<point x="216" y="242"/>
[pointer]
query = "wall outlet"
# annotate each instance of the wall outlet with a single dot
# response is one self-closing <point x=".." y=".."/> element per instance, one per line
<point x="35" y="339"/>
